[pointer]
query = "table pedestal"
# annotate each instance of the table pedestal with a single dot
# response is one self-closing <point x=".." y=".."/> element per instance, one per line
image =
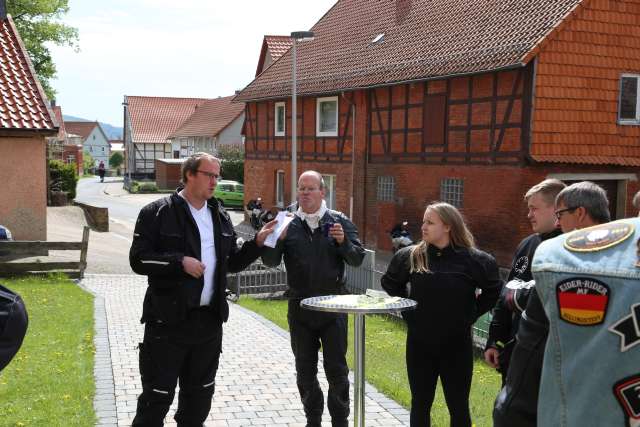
<point x="358" y="372"/>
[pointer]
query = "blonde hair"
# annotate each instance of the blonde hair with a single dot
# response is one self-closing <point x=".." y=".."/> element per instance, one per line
<point x="459" y="235"/>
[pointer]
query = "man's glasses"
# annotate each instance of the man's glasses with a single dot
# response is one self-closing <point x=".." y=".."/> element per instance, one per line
<point x="307" y="189"/>
<point x="559" y="212"/>
<point x="209" y="174"/>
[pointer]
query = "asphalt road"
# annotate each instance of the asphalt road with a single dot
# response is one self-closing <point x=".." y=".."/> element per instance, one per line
<point x="109" y="251"/>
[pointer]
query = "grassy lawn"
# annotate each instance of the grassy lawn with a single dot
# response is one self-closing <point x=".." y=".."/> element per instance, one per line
<point x="50" y="380"/>
<point x="386" y="368"/>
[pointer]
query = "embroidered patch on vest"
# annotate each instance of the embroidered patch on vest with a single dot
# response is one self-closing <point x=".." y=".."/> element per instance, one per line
<point x="521" y="264"/>
<point x="628" y="328"/>
<point x="638" y="253"/>
<point x="599" y="237"/>
<point x="627" y="391"/>
<point x="582" y="301"/>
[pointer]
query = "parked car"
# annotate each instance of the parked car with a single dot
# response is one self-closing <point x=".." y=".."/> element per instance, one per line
<point x="230" y="194"/>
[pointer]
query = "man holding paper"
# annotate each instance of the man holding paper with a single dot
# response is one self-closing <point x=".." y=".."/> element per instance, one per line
<point x="316" y="244"/>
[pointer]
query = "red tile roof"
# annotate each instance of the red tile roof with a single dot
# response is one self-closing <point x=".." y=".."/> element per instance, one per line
<point x="589" y="160"/>
<point x="422" y="39"/>
<point x="154" y="119"/>
<point x="210" y="118"/>
<point x="23" y="104"/>
<point x="82" y="129"/>
<point x="276" y="46"/>
<point x="62" y="133"/>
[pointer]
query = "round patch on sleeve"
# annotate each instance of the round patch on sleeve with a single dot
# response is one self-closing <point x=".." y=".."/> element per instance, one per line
<point x="582" y="301"/>
<point x="599" y="237"/>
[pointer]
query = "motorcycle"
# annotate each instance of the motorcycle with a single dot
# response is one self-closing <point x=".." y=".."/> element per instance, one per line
<point x="400" y="236"/>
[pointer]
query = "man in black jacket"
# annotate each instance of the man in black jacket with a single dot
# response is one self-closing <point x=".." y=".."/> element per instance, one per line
<point x="506" y="315"/>
<point x="579" y="205"/>
<point x="315" y="246"/>
<point x="185" y="244"/>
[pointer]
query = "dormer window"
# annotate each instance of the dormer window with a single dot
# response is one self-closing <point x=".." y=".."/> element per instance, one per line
<point x="378" y="39"/>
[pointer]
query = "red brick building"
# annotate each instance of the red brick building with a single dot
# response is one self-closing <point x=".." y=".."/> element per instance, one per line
<point x="26" y="121"/>
<point x="405" y="102"/>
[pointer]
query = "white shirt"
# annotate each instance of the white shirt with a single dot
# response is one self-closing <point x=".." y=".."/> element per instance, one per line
<point x="204" y="221"/>
<point x="313" y="219"/>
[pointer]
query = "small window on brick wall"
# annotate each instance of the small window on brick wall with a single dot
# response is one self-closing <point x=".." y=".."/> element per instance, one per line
<point x="452" y="191"/>
<point x="629" y="105"/>
<point x="386" y="188"/>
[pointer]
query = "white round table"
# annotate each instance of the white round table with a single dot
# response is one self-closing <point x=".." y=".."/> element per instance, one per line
<point x="359" y="306"/>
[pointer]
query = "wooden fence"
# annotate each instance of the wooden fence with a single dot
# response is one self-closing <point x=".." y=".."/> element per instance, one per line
<point x="75" y="269"/>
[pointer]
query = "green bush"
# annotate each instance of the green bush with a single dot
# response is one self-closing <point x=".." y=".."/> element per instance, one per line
<point x="88" y="164"/>
<point x="232" y="158"/>
<point x="116" y="159"/>
<point x="148" y="187"/>
<point x="63" y="177"/>
<point x="143" y="187"/>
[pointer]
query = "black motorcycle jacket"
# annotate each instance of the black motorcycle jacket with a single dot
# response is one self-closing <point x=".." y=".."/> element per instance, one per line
<point x="517" y="402"/>
<point x="506" y="317"/>
<point x="165" y="233"/>
<point x="446" y="294"/>
<point x="314" y="262"/>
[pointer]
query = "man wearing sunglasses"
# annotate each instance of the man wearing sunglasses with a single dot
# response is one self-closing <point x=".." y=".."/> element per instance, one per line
<point x="185" y="244"/>
<point x="579" y="205"/>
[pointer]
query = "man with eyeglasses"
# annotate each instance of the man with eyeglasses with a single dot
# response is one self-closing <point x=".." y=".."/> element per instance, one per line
<point x="185" y="244"/>
<point x="514" y="296"/>
<point x="316" y="245"/>
<point x="579" y="205"/>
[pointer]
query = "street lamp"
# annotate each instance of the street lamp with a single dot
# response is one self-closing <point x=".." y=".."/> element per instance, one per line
<point x="296" y="36"/>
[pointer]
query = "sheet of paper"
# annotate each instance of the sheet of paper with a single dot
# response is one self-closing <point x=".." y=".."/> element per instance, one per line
<point x="283" y="218"/>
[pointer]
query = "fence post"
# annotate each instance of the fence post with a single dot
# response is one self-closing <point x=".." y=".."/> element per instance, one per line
<point x="83" y="251"/>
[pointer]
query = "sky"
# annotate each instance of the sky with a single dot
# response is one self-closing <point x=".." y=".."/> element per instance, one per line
<point x="181" y="48"/>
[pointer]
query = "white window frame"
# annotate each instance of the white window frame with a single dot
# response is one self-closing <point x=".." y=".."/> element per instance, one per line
<point x="277" y="132"/>
<point x="635" y="121"/>
<point x="452" y="191"/>
<point x="320" y="101"/>
<point x="280" y="188"/>
<point x="330" y="190"/>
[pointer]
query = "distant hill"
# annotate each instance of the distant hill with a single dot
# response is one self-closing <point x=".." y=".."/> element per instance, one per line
<point x="112" y="132"/>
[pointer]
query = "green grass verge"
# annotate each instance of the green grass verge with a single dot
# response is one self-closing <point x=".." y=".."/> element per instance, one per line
<point x="386" y="366"/>
<point x="50" y="380"/>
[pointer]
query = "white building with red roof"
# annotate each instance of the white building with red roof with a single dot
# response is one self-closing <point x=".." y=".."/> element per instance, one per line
<point x="165" y="127"/>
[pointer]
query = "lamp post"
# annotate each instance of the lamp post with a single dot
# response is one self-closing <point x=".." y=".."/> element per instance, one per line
<point x="296" y="36"/>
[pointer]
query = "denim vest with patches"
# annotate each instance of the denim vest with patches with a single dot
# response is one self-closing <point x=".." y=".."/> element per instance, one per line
<point x="589" y="284"/>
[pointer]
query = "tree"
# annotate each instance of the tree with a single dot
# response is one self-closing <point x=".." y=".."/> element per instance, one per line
<point x="232" y="159"/>
<point x="87" y="162"/>
<point x="38" y="23"/>
<point x="116" y="160"/>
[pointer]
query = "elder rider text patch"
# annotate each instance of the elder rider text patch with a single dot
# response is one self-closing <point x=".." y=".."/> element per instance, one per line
<point x="582" y="301"/>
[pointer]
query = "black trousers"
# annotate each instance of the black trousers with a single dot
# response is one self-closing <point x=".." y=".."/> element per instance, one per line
<point x="451" y="359"/>
<point x="308" y="330"/>
<point x="188" y="353"/>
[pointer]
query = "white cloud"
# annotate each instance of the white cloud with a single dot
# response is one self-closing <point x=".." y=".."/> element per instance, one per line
<point x="167" y="48"/>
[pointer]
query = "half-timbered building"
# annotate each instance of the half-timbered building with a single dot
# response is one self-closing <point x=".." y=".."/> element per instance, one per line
<point x="403" y="102"/>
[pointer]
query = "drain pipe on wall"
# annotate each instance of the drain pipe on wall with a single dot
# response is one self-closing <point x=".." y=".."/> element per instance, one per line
<point x="353" y="149"/>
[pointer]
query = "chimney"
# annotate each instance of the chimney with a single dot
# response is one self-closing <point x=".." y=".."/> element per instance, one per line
<point x="53" y="101"/>
<point x="3" y="9"/>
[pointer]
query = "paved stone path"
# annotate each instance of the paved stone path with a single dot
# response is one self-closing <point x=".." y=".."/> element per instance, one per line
<point x="255" y="384"/>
